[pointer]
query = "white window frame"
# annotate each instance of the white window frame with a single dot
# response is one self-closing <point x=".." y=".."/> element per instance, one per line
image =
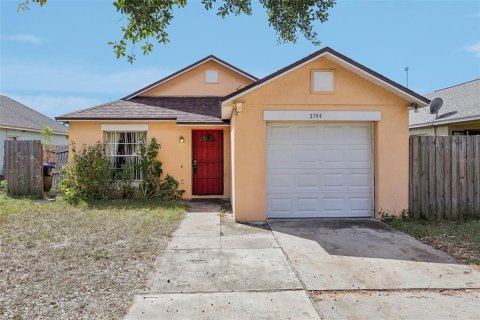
<point x="314" y="79"/>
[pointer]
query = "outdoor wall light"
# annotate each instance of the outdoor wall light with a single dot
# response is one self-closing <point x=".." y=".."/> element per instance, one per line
<point x="238" y="106"/>
<point x="181" y="139"/>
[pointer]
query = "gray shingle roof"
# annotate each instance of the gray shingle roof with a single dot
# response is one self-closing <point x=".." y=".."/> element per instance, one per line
<point x="179" y="109"/>
<point x="13" y="114"/>
<point x="460" y="103"/>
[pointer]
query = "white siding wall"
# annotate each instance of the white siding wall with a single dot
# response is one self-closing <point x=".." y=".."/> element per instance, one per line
<point x="23" y="135"/>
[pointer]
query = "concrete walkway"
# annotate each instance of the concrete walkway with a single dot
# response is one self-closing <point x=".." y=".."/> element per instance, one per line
<point x="214" y="268"/>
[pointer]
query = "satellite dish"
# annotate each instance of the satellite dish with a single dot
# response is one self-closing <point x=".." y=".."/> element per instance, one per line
<point x="446" y="115"/>
<point x="435" y="105"/>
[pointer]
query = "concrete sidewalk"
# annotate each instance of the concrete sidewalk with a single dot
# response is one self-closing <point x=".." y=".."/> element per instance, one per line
<point x="214" y="268"/>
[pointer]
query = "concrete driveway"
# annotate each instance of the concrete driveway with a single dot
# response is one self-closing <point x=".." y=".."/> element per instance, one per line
<point x="214" y="268"/>
<point x="363" y="269"/>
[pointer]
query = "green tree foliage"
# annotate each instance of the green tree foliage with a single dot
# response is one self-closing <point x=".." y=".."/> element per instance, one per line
<point x="47" y="134"/>
<point x="147" y="20"/>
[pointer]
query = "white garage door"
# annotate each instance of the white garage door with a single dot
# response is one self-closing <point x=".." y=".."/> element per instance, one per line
<point x="319" y="170"/>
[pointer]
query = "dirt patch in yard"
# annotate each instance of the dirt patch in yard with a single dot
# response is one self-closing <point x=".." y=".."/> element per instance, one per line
<point x="64" y="262"/>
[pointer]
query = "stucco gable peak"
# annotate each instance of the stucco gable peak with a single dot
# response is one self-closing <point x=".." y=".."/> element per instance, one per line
<point x="345" y="62"/>
<point x="188" y="68"/>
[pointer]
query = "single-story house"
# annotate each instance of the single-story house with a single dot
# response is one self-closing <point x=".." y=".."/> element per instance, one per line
<point x="459" y="114"/>
<point x="322" y="137"/>
<point x="19" y="122"/>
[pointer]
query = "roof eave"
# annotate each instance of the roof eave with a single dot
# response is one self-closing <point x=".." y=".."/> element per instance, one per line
<point x="68" y="119"/>
<point x="445" y="121"/>
<point x="30" y="129"/>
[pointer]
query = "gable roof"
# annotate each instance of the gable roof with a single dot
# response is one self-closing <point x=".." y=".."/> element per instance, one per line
<point x="345" y="62"/>
<point x="460" y="103"/>
<point x="187" y="68"/>
<point x="15" y="115"/>
<point x="182" y="110"/>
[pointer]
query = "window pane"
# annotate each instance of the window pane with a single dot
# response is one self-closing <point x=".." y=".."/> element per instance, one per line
<point x="322" y="81"/>
<point x="211" y="76"/>
<point x="123" y="149"/>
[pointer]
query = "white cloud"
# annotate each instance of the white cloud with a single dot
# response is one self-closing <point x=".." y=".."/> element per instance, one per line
<point x="74" y="79"/>
<point x="23" y="38"/>
<point x="52" y="106"/>
<point x="474" y="48"/>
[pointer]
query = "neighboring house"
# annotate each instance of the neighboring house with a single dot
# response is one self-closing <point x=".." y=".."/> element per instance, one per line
<point x="322" y="137"/>
<point x="19" y="122"/>
<point x="459" y="114"/>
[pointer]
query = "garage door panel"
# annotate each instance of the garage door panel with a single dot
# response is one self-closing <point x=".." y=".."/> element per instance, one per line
<point x="281" y="155"/>
<point x="333" y="181"/>
<point x="358" y="133"/>
<point x="360" y="203"/>
<point x="306" y="180"/>
<point x="360" y="182"/>
<point x="333" y="157"/>
<point x="332" y="134"/>
<point x="279" y="205"/>
<point x="319" y="170"/>
<point x="280" y="132"/>
<point x="281" y="183"/>
<point x="307" y="204"/>
<point x="306" y="134"/>
<point x="360" y="157"/>
<point x="305" y="157"/>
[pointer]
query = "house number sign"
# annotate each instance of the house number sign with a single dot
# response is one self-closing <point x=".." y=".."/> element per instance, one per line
<point x="321" y="115"/>
<point x="315" y="116"/>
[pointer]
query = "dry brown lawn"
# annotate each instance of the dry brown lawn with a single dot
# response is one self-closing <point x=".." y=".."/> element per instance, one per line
<point x="460" y="238"/>
<point x="58" y="261"/>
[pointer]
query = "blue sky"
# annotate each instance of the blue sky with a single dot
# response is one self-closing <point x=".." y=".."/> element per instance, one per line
<point x="56" y="58"/>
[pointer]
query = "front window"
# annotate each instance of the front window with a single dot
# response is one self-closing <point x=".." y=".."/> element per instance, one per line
<point x="123" y="149"/>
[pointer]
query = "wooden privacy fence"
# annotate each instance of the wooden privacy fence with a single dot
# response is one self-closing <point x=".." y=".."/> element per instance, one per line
<point x="24" y="167"/>
<point x="444" y="177"/>
<point x="61" y="159"/>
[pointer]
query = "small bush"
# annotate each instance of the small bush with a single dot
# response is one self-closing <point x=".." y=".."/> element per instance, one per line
<point x="152" y="185"/>
<point x="3" y="187"/>
<point x="150" y="167"/>
<point x="124" y="181"/>
<point x="88" y="176"/>
<point x="91" y="176"/>
<point x="169" y="191"/>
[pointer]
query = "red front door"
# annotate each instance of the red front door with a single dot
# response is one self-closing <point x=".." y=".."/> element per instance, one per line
<point x="207" y="162"/>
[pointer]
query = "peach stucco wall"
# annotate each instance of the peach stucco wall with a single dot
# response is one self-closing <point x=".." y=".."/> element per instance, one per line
<point x="293" y="92"/>
<point x="192" y="83"/>
<point x="175" y="156"/>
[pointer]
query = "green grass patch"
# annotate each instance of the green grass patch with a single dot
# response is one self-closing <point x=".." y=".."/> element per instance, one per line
<point x="461" y="239"/>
